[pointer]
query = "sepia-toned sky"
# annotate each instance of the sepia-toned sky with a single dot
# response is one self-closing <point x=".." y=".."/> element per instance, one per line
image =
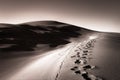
<point x="101" y="15"/>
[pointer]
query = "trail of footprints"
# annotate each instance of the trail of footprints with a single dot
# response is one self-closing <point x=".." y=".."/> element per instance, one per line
<point x="82" y="57"/>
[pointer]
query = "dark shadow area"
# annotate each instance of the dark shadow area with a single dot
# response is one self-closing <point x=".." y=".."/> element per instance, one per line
<point x="26" y="37"/>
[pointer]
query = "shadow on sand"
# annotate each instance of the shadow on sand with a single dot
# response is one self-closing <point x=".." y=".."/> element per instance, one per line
<point x="26" y="37"/>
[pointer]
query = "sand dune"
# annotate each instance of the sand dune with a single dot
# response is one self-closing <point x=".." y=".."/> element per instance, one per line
<point x="50" y="50"/>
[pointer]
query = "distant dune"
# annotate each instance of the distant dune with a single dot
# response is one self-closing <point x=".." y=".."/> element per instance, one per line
<point x="31" y="36"/>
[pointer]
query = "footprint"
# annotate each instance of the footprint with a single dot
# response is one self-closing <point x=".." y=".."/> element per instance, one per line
<point x="74" y="68"/>
<point x="77" y="61"/>
<point x="78" y="72"/>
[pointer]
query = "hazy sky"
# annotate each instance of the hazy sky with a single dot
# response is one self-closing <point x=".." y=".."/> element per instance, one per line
<point x="102" y="15"/>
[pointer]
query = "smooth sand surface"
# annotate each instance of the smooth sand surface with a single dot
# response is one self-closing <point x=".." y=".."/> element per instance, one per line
<point x="107" y="56"/>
